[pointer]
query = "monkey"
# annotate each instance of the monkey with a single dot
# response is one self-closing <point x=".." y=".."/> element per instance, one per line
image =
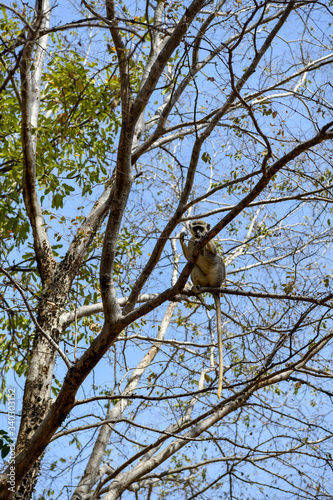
<point x="209" y="270"/>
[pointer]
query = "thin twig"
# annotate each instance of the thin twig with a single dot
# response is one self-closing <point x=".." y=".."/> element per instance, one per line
<point x="35" y="322"/>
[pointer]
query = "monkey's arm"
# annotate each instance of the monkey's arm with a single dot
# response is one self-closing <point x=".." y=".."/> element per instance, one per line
<point x="184" y="246"/>
<point x="210" y="253"/>
<point x="211" y="247"/>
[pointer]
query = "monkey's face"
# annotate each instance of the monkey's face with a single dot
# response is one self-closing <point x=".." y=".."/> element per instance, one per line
<point x="199" y="229"/>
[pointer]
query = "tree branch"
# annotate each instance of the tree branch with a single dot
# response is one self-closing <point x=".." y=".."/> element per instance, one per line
<point x="35" y="322"/>
<point x="30" y="93"/>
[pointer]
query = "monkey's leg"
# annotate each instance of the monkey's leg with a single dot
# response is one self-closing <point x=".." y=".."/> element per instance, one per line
<point x="198" y="277"/>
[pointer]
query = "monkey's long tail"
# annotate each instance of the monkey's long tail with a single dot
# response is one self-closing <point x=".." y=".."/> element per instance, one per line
<point x="219" y="342"/>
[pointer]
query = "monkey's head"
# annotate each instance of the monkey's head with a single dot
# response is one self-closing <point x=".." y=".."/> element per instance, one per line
<point x="199" y="228"/>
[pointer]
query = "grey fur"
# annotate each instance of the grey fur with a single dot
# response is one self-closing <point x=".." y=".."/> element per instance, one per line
<point x="209" y="270"/>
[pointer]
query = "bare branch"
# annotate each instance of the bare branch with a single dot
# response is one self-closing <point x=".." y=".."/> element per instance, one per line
<point x="30" y="89"/>
<point x="35" y="322"/>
